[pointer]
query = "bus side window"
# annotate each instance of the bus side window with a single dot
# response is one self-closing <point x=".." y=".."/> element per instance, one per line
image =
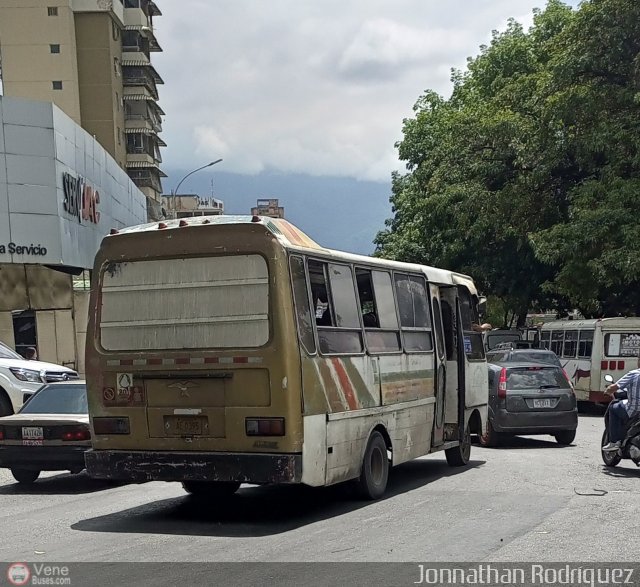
<point x="415" y="320"/>
<point x="570" y="346"/>
<point x="473" y="343"/>
<point x="557" y="339"/>
<point x="449" y="331"/>
<point x="336" y="308"/>
<point x="585" y="344"/>
<point x="545" y="338"/>
<point x="304" y="317"/>
<point x="378" y="311"/>
<point x="367" y="302"/>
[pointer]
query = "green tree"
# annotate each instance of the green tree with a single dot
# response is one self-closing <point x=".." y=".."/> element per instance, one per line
<point x="527" y="176"/>
<point x="592" y="106"/>
<point x="472" y="192"/>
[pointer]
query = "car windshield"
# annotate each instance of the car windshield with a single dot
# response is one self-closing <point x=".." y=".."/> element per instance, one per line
<point x="547" y="358"/>
<point x="8" y="353"/>
<point x="535" y="378"/>
<point x="58" y="399"/>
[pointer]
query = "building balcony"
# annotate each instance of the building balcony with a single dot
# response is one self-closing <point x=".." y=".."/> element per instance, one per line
<point x="141" y="122"/>
<point x="135" y="16"/>
<point x="133" y="55"/>
<point x="139" y="85"/>
<point x="146" y="177"/>
<point x="140" y="156"/>
<point x="137" y="92"/>
<point x="115" y="8"/>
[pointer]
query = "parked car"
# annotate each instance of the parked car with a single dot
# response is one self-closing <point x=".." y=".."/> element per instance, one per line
<point x="19" y="377"/>
<point x="50" y="433"/>
<point x="515" y="355"/>
<point x="530" y="398"/>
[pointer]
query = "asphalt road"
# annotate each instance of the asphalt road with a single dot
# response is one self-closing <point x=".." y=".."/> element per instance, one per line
<point x="529" y="501"/>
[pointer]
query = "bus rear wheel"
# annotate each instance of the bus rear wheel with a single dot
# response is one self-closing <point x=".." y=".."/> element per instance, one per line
<point x="458" y="456"/>
<point x="211" y="488"/>
<point x="375" y="468"/>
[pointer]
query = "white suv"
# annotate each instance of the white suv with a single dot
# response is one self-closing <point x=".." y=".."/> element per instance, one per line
<point x="19" y="377"/>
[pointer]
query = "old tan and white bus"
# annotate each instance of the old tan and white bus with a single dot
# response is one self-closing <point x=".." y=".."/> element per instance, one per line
<point x="234" y="349"/>
<point x="591" y="349"/>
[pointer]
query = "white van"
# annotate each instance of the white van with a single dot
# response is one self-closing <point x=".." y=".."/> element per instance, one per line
<point x="20" y="378"/>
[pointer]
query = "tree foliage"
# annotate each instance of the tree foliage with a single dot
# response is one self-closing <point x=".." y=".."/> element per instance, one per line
<point x="527" y="177"/>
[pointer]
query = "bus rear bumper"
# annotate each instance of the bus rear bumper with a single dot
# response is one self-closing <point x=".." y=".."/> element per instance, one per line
<point x="141" y="466"/>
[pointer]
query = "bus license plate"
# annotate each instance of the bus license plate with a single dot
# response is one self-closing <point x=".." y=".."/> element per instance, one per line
<point x="542" y="403"/>
<point x="184" y="425"/>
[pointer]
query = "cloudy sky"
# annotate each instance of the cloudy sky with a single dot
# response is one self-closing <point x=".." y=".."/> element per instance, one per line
<point x="315" y="87"/>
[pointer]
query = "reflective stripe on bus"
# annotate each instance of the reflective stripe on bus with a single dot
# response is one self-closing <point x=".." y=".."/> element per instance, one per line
<point x="184" y="361"/>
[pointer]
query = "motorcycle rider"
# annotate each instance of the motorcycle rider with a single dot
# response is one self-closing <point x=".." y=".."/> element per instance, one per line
<point x="620" y="412"/>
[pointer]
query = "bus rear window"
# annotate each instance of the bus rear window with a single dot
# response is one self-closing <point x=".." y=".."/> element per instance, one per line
<point x="203" y="302"/>
<point x="625" y="344"/>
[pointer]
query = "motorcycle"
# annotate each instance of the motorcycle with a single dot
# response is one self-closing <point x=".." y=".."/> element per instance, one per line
<point x="630" y="446"/>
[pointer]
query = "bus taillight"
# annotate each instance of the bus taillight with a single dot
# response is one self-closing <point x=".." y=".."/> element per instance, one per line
<point x="264" y="426"/>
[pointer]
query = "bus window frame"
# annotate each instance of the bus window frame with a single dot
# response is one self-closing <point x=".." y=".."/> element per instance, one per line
<point x="605" y="345"/>
<point x="321" y="328"/>
<point x="558" y="340"/>
<point x="580" y="339"/>
<point x="546" y="341"/>
<point x="397" y="331"/>
<point x="564" y="342"/>
<point x="471" y="333"/>
<point x="414" y="328"/>
<point x="309" y="300"/>
<point x="97" y="334"/>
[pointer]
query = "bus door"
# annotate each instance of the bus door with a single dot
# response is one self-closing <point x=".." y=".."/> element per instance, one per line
<point x="445" y="371"/>
<point x="452" y="343"/>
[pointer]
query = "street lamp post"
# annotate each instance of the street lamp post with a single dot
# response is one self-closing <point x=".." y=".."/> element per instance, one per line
<point x="175" y="192"/>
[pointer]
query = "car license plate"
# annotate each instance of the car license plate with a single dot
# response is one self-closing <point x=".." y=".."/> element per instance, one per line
<point x="27" y="442"/>
<point x="542" y="403"/>
<point x="185" y="426"/>
<point x="32" y="433"/>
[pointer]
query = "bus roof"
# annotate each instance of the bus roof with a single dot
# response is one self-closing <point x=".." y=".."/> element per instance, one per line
<point x="293" y="238"/>
<point x="618" y="322"/>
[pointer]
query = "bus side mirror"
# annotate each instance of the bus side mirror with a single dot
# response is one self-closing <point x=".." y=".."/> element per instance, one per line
<point x="608" y="378"/>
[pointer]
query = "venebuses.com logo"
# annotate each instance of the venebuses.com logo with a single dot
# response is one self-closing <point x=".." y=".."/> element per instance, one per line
<point x="20" y="574"/>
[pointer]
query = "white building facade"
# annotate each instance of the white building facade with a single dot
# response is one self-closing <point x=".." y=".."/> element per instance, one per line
<point x="60" y="194"/>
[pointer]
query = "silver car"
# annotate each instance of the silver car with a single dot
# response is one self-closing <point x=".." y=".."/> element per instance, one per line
<point x="50" y="433"/>
<point x="530" y="398"/>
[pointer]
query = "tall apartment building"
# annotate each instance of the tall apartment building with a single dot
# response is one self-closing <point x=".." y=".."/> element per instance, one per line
<point x="92" y="58"/>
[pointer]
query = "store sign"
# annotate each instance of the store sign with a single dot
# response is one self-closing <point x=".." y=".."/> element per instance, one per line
<point x="16" y="249"/>
<point x="80" y="199"/>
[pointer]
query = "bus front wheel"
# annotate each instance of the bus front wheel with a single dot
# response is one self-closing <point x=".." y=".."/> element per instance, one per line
<point x="211" y="488"/>
<point x="375" y="468"/>
<point x="458" y="456"/>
